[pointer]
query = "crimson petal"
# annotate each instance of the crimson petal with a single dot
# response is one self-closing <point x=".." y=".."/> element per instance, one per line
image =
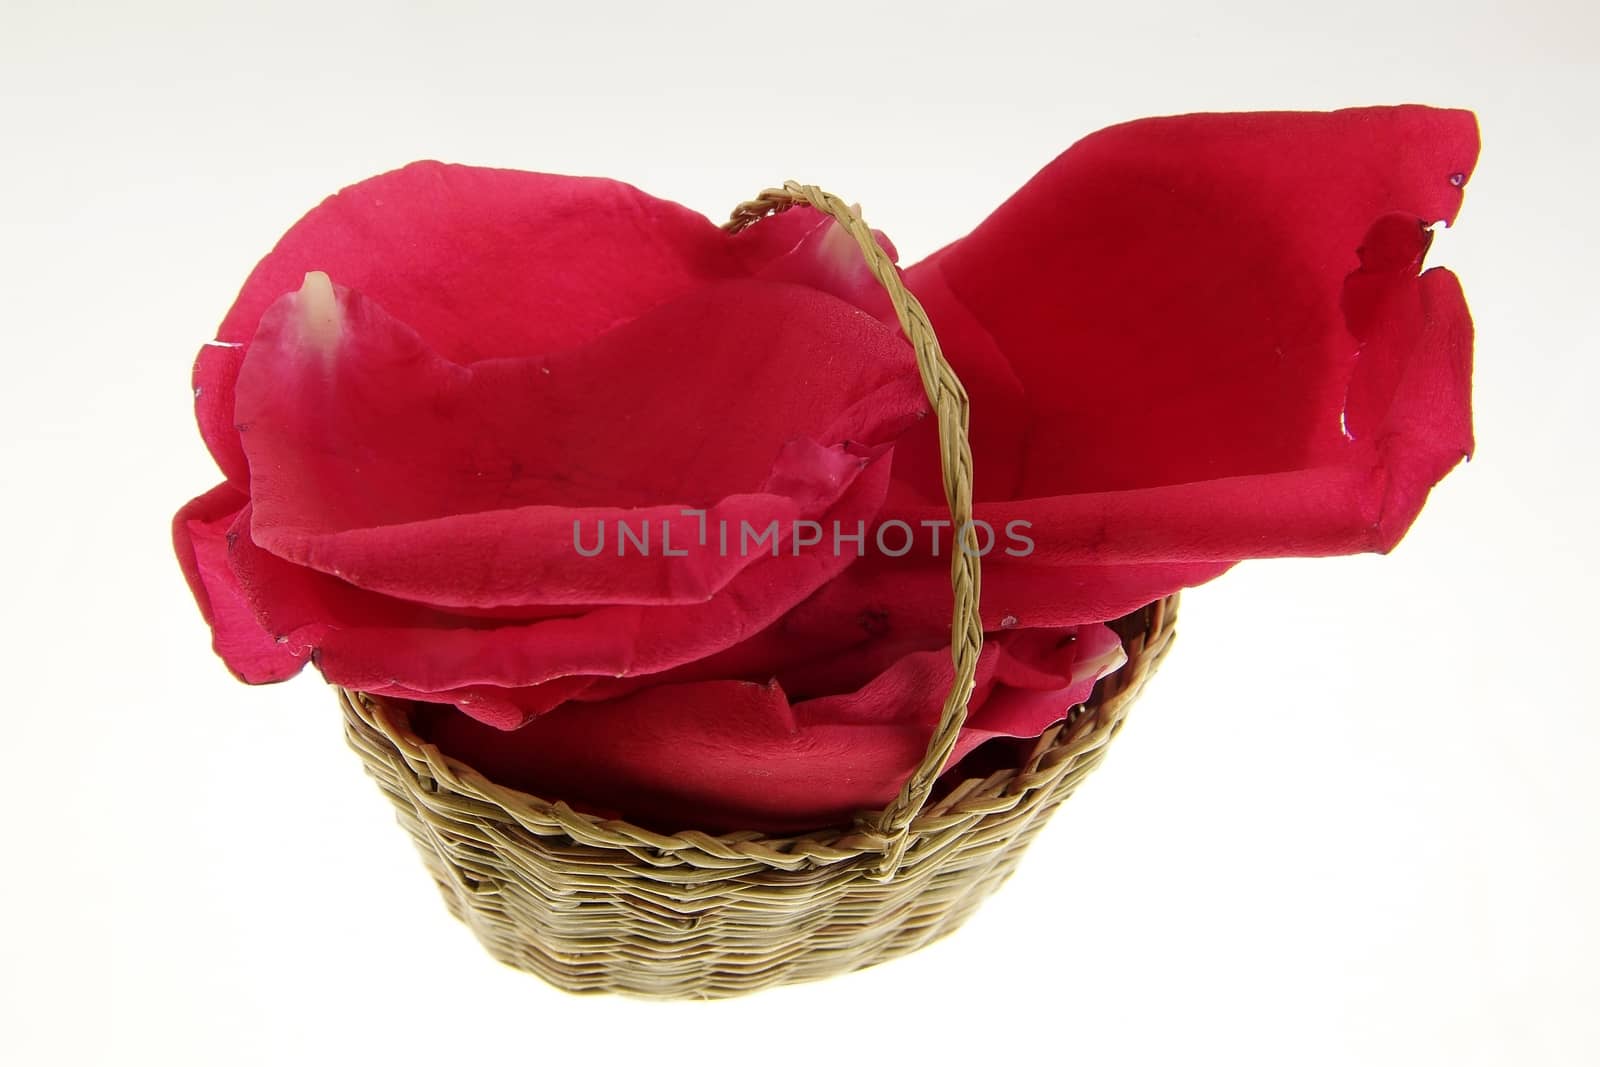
<point x="1171" y="295"/>
<point x="200" y="535"/>
<point x="376" y="460"/>
<point x="483" y="263"/>
<point x="1221" y="350"/>
<point x="510" y="669"/>
<point x="736" y="755"/>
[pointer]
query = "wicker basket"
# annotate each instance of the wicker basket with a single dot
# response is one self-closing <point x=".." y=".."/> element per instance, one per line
<point x="602" y="905"/>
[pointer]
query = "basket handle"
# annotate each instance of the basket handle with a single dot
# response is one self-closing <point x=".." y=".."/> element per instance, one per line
<point x="949" y="400"/>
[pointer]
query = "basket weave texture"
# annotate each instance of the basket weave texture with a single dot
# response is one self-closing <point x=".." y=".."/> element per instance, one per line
<point x="593" y="904"/>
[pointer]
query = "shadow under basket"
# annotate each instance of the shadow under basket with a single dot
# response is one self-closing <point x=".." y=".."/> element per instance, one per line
<point x="601" y="905"/>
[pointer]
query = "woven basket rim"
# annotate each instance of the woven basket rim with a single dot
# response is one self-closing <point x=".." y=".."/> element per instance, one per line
<point x="1088" y="726"/>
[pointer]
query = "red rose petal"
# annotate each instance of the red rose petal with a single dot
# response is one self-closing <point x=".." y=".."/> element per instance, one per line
<point x="200" y="537"/>
<point x="1196" y="310"/>
<point x="368" y="641"/>
<point x="999" y="422"/>
<point x="912" y="595"/>
<point x="824" y="257"/>
<point x="378" y="461"/>
<point x="1169" y="294"/>
<point x="730" y="755"/>
<point x="482" y="263"/>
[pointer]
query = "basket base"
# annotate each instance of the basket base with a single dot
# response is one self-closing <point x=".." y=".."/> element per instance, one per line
<point x="920" y="911"/>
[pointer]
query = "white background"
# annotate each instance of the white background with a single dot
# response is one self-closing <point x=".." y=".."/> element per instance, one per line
<point x="1353" y="821"/>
